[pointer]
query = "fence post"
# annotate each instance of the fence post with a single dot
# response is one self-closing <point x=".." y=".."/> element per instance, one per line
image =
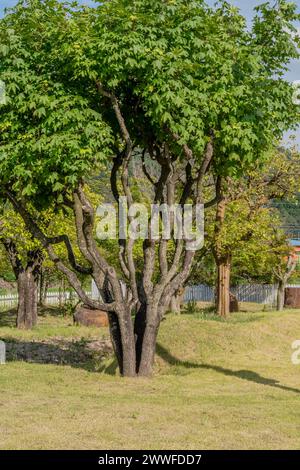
<point x="2" y="352"/>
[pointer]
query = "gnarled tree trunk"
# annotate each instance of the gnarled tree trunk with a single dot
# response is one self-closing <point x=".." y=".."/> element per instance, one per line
<point x="136" y="310"/>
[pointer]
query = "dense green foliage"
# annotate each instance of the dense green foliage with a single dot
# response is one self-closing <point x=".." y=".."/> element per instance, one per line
<point x="50" y="134"/>
<point x="175" y="66"/>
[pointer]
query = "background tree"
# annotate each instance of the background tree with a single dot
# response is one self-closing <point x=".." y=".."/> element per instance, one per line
<point x="242" y="214"/>
<point x="26" y="258"/>
<point x="283" y="273"/>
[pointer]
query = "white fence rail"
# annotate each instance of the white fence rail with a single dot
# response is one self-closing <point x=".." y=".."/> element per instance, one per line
<point x="258" y="293"/>
<point x="52" y="298"/>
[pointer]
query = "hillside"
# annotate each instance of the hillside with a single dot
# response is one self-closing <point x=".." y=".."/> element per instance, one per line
<point x="235" y="388"/>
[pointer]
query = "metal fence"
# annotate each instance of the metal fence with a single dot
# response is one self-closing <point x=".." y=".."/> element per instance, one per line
<point x="258" y="293"/>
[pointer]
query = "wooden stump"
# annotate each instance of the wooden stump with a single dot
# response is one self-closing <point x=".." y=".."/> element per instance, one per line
<point x="87" y="317"/>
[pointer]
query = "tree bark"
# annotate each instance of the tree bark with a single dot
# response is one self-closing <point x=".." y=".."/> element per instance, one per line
<point x="280" y="295"/>
<point x="283" y="274"/>
<point x="234" y="303"/>
<point x="27" y="313"/>
<point x="176" y="301"/>
<point x="139" y="331"/>
<point x="45" y="292"/>
<point x="27" y="276"/>
<point x="149" y="344"/>
<point x="128" y="345"/>
<point x="223" y="286"/>
<point x="43" y="288"/>
<point x="222" y="258"/>
<point x="175" y="304"/>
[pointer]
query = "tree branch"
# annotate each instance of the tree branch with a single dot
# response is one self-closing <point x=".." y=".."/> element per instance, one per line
<point x="33" y="228"/>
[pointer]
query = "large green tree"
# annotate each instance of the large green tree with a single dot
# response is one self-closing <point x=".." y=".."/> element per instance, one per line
<point x="185" y="84"/>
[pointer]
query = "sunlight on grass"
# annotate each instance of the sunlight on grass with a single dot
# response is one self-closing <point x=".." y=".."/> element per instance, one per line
<point x="224" y="385"/>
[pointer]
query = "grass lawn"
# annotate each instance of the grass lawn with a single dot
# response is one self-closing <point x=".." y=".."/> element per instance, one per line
<point x="217" y="385"/>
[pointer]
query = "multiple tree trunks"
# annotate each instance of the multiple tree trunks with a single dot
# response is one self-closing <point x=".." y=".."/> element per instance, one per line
<point x="135" y="342"/>
<point x="134" y="312"/>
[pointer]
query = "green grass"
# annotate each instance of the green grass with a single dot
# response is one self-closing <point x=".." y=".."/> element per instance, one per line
<point x="217" y="385"/>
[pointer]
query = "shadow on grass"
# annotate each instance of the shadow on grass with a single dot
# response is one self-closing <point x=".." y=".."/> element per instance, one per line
<point x="85" y="353"/>
<point x="92" y="355"/>
<point x="209" y="314"/>
<point x="248" y="375"/>
<point x="109" y="369"/>
<point x="79" y="353"/>
<point x="50" y="310"/>
<point x="237" y="317"/>
<point x="8" y="318"/>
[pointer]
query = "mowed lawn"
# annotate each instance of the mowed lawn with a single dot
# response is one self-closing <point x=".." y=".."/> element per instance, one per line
<point x="217" y="385"/>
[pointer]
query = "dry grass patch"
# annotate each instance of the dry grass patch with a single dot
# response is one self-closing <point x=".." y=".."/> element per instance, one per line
<point x="217" y="385"/>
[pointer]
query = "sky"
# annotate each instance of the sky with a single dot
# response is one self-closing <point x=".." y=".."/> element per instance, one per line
<point x="246" y="7"/>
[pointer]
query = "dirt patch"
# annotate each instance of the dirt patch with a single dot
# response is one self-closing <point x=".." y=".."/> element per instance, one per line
<point x="58" y="350"/>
